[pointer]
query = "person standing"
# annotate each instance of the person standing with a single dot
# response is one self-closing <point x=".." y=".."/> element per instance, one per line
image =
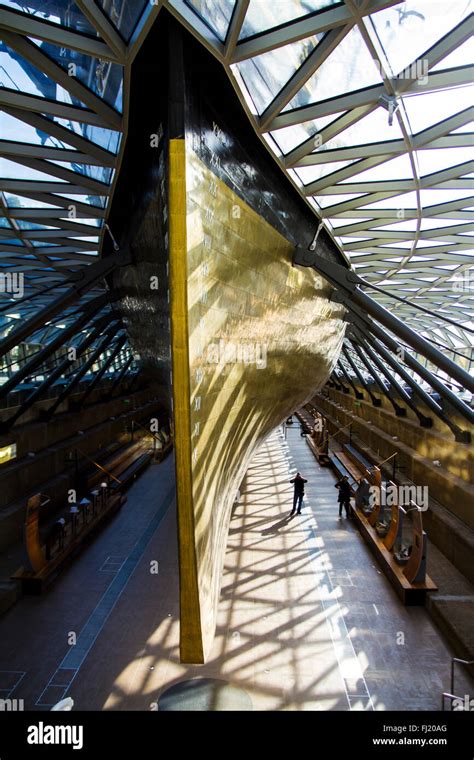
<point x="344" y="496"/>
<point x="298" y="482"/>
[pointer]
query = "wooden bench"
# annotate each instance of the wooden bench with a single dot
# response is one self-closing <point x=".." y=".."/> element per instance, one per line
<point x="35" y="582"/>
<point x="356" y="457"/>
<point x="348" y="467"/>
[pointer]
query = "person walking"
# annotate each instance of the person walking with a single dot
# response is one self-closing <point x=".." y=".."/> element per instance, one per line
<point x="298" y="482"/>
<point x="344" y="496"/>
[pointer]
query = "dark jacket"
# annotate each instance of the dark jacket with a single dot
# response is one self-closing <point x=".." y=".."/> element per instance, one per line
<point x="299" y="484"/>
<point x="345" y="490"/>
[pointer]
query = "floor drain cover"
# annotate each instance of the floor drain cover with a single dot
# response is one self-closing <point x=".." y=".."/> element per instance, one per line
<point x="204" y="694"/>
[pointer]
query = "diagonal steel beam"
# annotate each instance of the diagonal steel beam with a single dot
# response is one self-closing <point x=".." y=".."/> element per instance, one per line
<point x="391" y="379"/>
<point x="12" y="99"/>
<point x="375" y="401"/>
<point x="98" y="376"/>
<point x="52" y="377"/>
<point x="28" y="25"/>
<point x="83" y="370"/>
<point x="321" y="53"/>
<point x="68" y="136"/>
<point x="62" y="336"/>
<point x="36" y="57"/>
<point x="119" y="377"/>
<point x="80" y="284"/>
<point x="104" y="27"/>
<point x="349" y="286"/>
<point x="14" y="150"/>
<point x="94" y="186"/>
<point x="235" y="26"/>
<point x="357" y="393"/>
<point x="321" y="21"/>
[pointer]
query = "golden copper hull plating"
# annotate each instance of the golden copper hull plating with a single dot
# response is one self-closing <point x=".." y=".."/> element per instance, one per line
<point x="252" y="339"/>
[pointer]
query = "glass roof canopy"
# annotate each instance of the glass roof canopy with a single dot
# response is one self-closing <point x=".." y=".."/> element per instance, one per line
<point x="366" y="104"/>
<point x="368" y="107"/>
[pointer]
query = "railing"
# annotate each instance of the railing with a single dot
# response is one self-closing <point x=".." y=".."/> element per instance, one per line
<point x="387" y="459"/>
<point x="446" y="695"/>
<point x="450" y="694"/>
<point x="100" y="467"/>
<point x="340" y="431"/>
<point x="156" y="437"/>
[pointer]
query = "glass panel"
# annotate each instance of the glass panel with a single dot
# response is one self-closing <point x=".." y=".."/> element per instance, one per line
<point x="435" y="196"/>
<point x="266" y="74"/>
<point x="349" y="67"/>
<point x="24" y="225"/>
<point x="216" y="13"/>
<point x="459" y="57"/>
<point x="469" y="128"/>
<point x="265" y="14"/>
<point x="289" y="138"/>
<point x="373" y="128"/>
<point x="18" y="74"/>
<point x="13" y="170"/>
<point x="409" y="226"/>
<point x="406" y="200"/>
<point x="433" y="224"/>
<point x="312" y="173"/>
<point x="108" y="139"/>
<point x="88" y="222"/>
<point x="342" y="221"/>
<point x="123" y="14"/>
<point x="434" y="160"/>
<point x="16" y="201"/>
<point x="396" y="168"/>
<point x="100" y="173"/>
<point x="94" y="200"/>
<point x="18" y="131"/>
<point x="424" y="110"/>
<point x="58" y="12"/>
<point x="331" y="200"/>
<point x="104" y="78"/>
<point x="407" y="32"/>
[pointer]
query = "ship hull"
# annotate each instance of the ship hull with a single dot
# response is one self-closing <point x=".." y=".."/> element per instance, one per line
<point x="235" y="338"/>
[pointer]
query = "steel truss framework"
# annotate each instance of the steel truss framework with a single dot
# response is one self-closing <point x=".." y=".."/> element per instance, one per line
<point x="320" y="80"/>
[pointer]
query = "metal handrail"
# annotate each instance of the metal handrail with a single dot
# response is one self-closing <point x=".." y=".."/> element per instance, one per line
<point x="446" y="695"/>
<point x="99" y="466"/>
<point x="461" y="662"/>
<point x="147" y="430"/>
<point x="340" y="430"/>
<point x="387" y="459"/>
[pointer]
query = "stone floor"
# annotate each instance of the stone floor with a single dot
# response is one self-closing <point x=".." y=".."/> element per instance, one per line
<point x="306" y="620"/>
